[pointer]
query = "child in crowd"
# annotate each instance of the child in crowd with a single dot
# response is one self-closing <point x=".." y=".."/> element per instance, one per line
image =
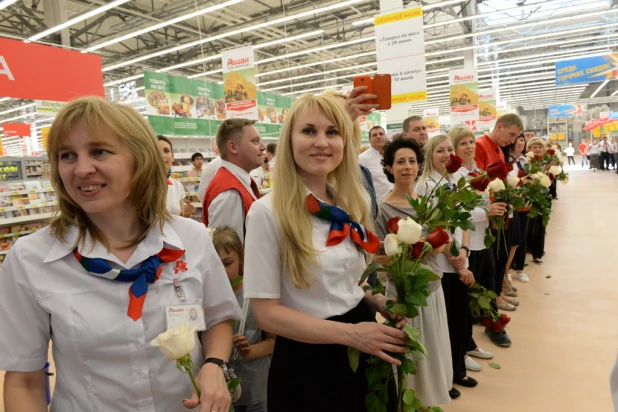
<point x="253" y="348"/>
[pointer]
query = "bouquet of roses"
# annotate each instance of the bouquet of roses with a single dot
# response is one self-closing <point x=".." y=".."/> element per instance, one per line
<point x="406" y="250"/>
<point x="506" y="191"/>
<point x="536" y="189"/>
<point x="481" y="305"/>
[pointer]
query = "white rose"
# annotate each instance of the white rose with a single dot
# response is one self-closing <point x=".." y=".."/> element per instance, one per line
<point x="177" y="342"/>
<point x="538" y="175"/>
<point x="513" y="181"/>
<point x="530" y="155"/>
<point x="409" y="231"/>
<point x="555" y="170"/>
<point x="496" y="185"/>
<point x="545" y="181"/>
<point x="392" y="245"/>
<point x="565" y="181"/>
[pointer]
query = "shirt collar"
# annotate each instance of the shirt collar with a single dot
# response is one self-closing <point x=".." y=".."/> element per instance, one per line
<point x="240" y="173"/>
<point x="374" y="151"/>
<point x="155" y="240"/>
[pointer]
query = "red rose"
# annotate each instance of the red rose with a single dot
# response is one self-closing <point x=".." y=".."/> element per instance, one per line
<point x="480" y="183"/>
<point x="537" y="159"/>
<point x="550" y="152"/>
<point x="438" y="237"/>
<point x="453" y="164"/>
<point x="393" y="224"/>
<point x="520" y="183"/>
<point x="551" y="177"/>
<point x="521" y="174"/>
<point x="486" y="322"/>
<point x="497" y="326"/>
<point x="504" y="319"/>
<point x="498" y="170"/>
<point x="417" y="249"/>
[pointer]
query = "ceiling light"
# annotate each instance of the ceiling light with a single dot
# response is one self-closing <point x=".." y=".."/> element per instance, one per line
<point x="314" y="81"/>
<point x="233" y="32"/>
<point x="77" y="19"/>
<point x="17" y="117"/>
<point x="599" y="89"/>
<point x="287" y="79"/>
<point x="6" y="3"/>
<point x="17" y="108"/>
<point x="125" y="80"/>
<point x="163" y="24"/>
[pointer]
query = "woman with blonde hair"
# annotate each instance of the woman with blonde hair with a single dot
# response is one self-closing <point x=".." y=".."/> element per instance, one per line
<point x="305" y="253"/>
<point x="83" y="281"/>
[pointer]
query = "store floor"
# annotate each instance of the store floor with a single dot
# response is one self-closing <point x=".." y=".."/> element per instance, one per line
<point x="565" y="333"/>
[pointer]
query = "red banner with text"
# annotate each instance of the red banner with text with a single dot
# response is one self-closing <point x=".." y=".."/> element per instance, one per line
<point x="16" y="129"/>
<point x="34" y="71"/>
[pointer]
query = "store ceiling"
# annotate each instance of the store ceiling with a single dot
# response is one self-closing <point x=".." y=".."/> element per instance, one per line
<point x="306" y="46"/>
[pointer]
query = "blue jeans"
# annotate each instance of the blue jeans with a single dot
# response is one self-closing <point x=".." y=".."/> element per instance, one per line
<point x="584" y="160"/>
<point x="260" y="407"/>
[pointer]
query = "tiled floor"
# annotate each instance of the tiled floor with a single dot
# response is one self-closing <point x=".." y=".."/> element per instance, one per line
<point x="565" y="334"/>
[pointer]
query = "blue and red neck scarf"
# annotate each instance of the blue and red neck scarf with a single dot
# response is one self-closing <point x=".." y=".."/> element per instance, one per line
<point x="148" y="272"/>
<point x="342" y="226"/>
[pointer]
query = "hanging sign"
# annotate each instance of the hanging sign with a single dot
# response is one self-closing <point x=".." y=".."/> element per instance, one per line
<point x="400" y="48"/>
<point x="432" y="120"/>
<point x="48" y="107"/>
<point x="34" y="71"/>
<point x="567" y="110"/>
<point x="488" y="111"/>
<point x="16" y="129"/>
<point x="239" y="83"/>
<point x="587" y="69"/>
<point x="464" y="95"/>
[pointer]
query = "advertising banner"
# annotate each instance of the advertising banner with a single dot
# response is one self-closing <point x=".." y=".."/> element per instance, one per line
<point x="44" y="135"/>
<point x="432" y="120"/>
<point x="464" y="96"/>
<point x="587" y="69"/>
<point x="34" y="71"/>
<point x="400" y="48"/>
<point x="48" y="107"/>
<point x="488" y="109"/>
<point x="567" y="110"/>
<point x="502" y="108"/>
<point x="239" y="83"/>
<point x="369" y="121"/>
<point x="16" y="129"/>
<point x="178" y="106"/>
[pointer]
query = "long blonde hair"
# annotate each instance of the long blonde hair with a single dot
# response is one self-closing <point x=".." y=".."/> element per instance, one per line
<point x="289" y="191"/>
<point x="431" y="144"/>
<point x="358" y="136"/>
<point x="148" y="188"/>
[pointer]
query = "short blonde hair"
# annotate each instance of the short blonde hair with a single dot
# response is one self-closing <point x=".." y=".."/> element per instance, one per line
<point x="290" y="193"/>
<point x="534" y="141"/>
<point x="458" y="133"/>
<point x="148" y="188"/>
<point x="510" y="119"/>
<point x="230" y="129"/>
<point x="226" y="238"/>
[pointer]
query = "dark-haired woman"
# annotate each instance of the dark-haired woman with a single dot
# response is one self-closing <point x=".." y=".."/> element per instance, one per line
<point x="175" y="200"/>
<point x="434" y="377"/>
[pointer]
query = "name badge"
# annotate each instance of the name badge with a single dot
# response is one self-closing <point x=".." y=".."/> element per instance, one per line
<point x="193" y="315"/>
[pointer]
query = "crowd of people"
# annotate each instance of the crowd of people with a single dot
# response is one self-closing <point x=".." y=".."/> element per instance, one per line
<point x="599" y="154"/>
<point x="296" y="254"/>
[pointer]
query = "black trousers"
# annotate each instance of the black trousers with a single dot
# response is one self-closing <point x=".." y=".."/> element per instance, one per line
<point x="604" y="161"/>
<point x="481" y="263"/>
<point x="457" y="309"/>
<point x="520" y="255"/>
<point x="501" y="251"/>
<point x="536" y="237"/>
<point x="305" y="377"/>
<point x="571" y="159"/>
<point x="553" y="189"/>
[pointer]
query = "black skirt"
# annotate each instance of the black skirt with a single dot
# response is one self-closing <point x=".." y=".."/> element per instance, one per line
<point x="306" y="377"/>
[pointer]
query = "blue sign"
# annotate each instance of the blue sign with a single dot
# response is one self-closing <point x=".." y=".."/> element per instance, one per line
<point x="567" y="110"/>
<point x="587" y="70"/>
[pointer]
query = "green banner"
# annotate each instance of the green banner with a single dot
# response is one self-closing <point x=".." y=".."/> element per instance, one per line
<point x="177" y="106"/>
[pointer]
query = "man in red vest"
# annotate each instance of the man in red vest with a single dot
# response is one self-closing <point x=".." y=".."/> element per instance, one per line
<point x="232" y="191"/>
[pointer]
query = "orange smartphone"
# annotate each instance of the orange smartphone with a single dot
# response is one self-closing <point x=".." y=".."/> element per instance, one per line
<point x="382" y="88"/>
<point x="365" y="80"/>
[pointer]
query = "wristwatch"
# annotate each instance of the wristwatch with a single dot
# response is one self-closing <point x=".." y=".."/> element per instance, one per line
<point x="221" y="363"/>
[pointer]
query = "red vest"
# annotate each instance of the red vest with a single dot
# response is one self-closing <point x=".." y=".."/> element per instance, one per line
<point x="225" y="180"/>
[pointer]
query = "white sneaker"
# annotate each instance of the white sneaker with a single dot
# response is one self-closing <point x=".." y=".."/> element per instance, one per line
<point x="472" y="365"/>
<point x="482" y="354"/>
<point x="509" y="277"/>
<point x="523" y="277"/>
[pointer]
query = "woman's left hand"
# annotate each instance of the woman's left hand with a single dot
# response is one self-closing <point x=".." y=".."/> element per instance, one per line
<point x="458" y="262"/>
<point x="466" y="277"/>
<point x="378" y="302"/>
<point x="188" y="210"/>
<point x="215" y="396"/>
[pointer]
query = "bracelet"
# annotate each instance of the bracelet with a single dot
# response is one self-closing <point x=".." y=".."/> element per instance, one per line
<point x="466" y="249"/>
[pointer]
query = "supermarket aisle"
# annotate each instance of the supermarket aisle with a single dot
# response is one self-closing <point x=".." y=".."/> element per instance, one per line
<point x="565" y="333"/>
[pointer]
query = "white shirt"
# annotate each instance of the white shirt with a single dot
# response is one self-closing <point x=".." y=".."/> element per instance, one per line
<point x="208" y="172"/>
<point x="594" y="149"/>
<point x="104" y="360"/>
<point x="570" y="151"/>
<point x="175" y="193"/>
<point x="479" y="215"/>
<point x="226" y="209"/>
<point x="334" y="287"/>
<point x="425" y="186"/>
<point x="372" y="160"/>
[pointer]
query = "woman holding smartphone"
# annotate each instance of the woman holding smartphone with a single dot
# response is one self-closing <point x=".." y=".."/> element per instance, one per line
<point x="302" y="266"/>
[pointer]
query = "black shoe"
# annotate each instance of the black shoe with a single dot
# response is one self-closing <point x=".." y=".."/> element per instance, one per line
<point x="498" y="338"/>
<point x="537" y="261"/>
<point x="454" y="393"/>
<point x="468" y="382"/>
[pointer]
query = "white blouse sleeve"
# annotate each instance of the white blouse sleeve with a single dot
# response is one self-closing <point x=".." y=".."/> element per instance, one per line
<point x="24" y="325"/>
<point x="262" y="268"/>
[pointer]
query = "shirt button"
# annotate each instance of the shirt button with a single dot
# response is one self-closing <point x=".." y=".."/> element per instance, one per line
<point x="346" y="267"/>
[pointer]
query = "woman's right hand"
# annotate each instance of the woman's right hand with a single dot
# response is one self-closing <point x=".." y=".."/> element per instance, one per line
<point x="354" y="103"/>
<point x="496" y="209"/>
<point x="377" y="339"/>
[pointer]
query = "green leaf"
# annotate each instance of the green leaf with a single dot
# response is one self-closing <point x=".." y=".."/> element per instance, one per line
<point x="374" y="267"/>
<point x="495" y="366"/>
<point x="378" y="288"/>
<point x="454" y="249"/>
<point x="407" y="367"/>
<point x="433" y="277"/>
<point x="412" y="311"/>
<point x="374" y="381"/>
<point x="416" y="298"/>
<point x="436" y="409"/>
<point x="491" y="294"/>
<point x="353" y="358"/>
<point x="408" y="396"/>
<point x="484" y="302"/>
<point x="547" y="293"/>
<point x="548" y="277"/>
<point x="412" y="332"/>
<point x="236" y="281"/>
<point x="399" y="309"/>
<point x="233" y="383"/>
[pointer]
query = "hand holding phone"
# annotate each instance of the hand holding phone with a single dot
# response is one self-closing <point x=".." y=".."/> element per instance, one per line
<point x="379" y="86"/>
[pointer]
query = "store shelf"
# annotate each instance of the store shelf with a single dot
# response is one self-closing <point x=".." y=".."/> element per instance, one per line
<point x="187" y="156"/>
<point x="31" y="206"/>
<point x="188" y="179"/>
<point x="24" y="219"/>
<point x="23" y="232"/>
<point x="26" y="192"/>
<point x="4" y="252"/>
